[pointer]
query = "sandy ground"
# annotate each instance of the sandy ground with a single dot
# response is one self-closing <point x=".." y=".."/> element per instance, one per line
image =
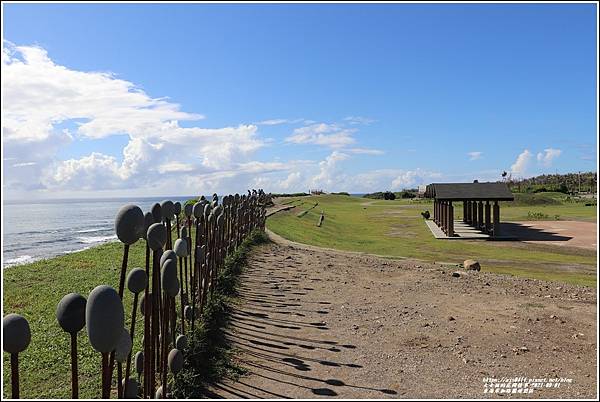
<point x="560" y="233"/>
<point x="322" y="323"/>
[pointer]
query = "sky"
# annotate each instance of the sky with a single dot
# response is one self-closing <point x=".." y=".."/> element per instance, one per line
<point x="178" y="99"/>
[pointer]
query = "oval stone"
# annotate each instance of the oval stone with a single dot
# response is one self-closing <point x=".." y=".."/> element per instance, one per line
<point x="181" y="248"/>
<point x="123" y="347"/>
<point x="129" y="224"/>
<point x="137" y="280"/>
<point x="157" y="236"/>
<point x="16" y="333"/>
<point x="139" y="362"/>
<point x="104" y="317"/>
<point x="175" y="360"/>
<point x="70" y="313"/>
<point x="181" y="342"/>
<point x="157" y="213"/>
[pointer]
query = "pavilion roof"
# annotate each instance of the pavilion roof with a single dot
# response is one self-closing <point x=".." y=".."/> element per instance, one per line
<point x="469" y="191"/>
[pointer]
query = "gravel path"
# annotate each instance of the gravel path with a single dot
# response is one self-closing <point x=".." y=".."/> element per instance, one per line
<point x="323" y="323"/>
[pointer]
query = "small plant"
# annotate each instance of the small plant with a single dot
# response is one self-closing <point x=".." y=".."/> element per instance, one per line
<point x="537" y="215"/>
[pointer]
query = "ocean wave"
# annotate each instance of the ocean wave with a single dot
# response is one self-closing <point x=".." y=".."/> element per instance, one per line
<point x="100" y="229"/>
<point x="77" y="250"/>
<point x="96" y="239"/>
<point x="22" y="259"/>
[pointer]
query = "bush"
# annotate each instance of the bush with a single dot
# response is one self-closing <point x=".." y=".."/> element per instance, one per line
<point x="536" y="215"/>
<point x="534" y="199"/>
<point x="281" y="195"/>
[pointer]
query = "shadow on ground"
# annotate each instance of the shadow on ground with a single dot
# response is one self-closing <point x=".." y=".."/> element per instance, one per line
<point x="283" y="343"/>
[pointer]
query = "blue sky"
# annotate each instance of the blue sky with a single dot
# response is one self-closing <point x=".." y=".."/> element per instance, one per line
<point x="355" y="97"/>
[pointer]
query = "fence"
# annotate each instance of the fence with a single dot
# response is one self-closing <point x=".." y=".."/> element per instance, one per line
<point x="173" y="269"/>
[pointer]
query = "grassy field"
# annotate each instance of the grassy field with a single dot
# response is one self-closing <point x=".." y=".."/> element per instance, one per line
<point x="396" y="229"/>
<point x="33" y="290"/>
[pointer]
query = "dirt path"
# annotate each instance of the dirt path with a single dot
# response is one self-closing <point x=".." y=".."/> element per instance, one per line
<point x="324" y="323"/>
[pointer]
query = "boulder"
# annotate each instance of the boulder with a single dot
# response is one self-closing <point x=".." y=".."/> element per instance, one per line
<point x="472" y="265"/>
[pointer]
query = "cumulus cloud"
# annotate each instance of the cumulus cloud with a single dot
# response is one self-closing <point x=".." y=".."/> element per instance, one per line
<point x="39" y="94"/>
<point x="328" y="171"/>
<point x="48" y="107"/>
<point x="474" y="155"/>
<point x="546" y="157"/>
<point x="522" y="163"/>
<point x="41" y="97"/>
<point x="329" y="135"/>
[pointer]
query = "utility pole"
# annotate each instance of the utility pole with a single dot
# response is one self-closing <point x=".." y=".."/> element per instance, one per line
<point x="579" y="179"/>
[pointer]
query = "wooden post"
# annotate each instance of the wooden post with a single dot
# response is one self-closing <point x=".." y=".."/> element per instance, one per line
<point x="474" y="213"/>
<point x="496" y="219"/>
<point x="74" y="371"/>
<point x="450" y="219"/>
<point x="14" y="377"/>
<point x="105" y="377"/>
<point x="468" y="211"/>
<point x="465" y="207"/>
<point x="443" y="218"/>
<point x="446" y="217"/>
<point x="480" y="215"/>
<point x="488" y="224"/>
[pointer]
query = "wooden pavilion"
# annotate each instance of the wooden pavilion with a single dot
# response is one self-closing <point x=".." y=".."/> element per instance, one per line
<point x="477" y="199"/>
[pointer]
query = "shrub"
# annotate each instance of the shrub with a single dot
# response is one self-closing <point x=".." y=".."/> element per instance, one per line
<point x="536" y="215"/>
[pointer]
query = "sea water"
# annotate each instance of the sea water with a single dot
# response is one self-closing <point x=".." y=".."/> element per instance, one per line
<point x="34" y="230"/>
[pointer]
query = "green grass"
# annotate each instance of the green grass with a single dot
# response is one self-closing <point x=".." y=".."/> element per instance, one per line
<point x="33" y="290"/>
<point x="396" y="229"/>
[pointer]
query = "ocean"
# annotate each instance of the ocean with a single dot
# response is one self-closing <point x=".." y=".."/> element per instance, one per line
<point x="48" y="228"/>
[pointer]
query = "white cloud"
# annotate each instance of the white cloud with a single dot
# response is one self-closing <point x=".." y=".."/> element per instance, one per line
<point x="521" y="165"/>
<point x="171" y="167"/>
<point x="546" y="157"/>
<point x="330" y="135"/>
<point x="359" y="120"/>
<point x="328" y="175"/>
<point x="365" y="151"/>
<point x="474" y="155"/>
<point x="161" y="156"/>
<point x="39" y="94"/>
<point x="40" y="97"/>
<point x="85" y="173"/>
<point x="272" y="122"/>
<point x="293" y="180"/>
<point x="275" y="122"/>
<point x="24" y="164"/>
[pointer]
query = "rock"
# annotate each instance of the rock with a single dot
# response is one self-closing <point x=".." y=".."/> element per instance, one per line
<point x="451" y="318"/>
<point x="456" y="274"/>
<point x="472" y="265"/>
